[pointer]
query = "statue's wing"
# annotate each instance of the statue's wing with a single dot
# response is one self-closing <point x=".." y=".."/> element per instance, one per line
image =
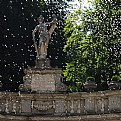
<point x="52" y="28"/>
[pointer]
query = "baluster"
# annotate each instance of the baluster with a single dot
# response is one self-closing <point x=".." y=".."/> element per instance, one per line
<point x="54" y="104"/>
<point x="102" y="106"/>
<point x="41" y="107"/>
<point x="1" y="106"/>
<point x="6" y="106"/>
<point x="20" y="108"/>
<point x="14" y="106"/>
<point x="32" y="104"/>
<point x="66" y="106"/>
<point x="79" y="106"/>
<point x="72" y="106"/>
<point x="106" y="105"/>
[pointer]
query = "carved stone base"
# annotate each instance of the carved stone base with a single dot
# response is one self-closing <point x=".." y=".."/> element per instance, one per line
<point x="43" y="80"/>
<point x="42" y="63"/>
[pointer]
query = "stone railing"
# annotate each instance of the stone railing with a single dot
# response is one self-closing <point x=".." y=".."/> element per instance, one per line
<point x="82" y="103"/>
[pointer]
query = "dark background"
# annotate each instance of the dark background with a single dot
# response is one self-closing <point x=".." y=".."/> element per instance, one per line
<point x="17" y="20"/>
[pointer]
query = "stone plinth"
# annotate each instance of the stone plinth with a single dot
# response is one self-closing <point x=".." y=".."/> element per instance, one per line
<point x="43" y="80"/>
<point x="42" y="63"/>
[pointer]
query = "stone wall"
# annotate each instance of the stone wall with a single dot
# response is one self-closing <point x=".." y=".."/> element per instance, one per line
<point x="105" y="105"/>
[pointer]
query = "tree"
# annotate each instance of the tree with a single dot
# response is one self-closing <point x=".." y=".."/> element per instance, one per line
<point x="93" y="47"/>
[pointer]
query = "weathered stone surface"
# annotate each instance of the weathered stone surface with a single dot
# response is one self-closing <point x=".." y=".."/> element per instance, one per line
<point x="104" y="117"/>
<point x="114" y="104"/>
<point x="82" y="106"/>
<point x="42" y="63"/>
<point x="45" y="107"/>
<point x="99" y="107"/>
<point x="90" y="105"/>
<point x="42" y="83"/>
<point x="25" y="106"/>
<point x="60" y="107"/>
<point x="43" y="80"/>
<point x="2" y="105"/>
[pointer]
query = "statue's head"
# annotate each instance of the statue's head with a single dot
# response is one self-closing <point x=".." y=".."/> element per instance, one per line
<point x="54" y="16"/>
<point x="40" y="19"/>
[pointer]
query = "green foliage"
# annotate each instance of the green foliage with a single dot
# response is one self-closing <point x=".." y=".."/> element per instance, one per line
<point x="115" y="78"/>
<point x="93" y="43"/>
<point x="90" y="78"/>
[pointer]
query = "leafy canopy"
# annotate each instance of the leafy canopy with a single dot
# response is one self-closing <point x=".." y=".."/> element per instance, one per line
<point x="93" y="43"/>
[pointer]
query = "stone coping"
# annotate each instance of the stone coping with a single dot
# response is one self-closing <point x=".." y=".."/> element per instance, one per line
<point x="102" y="117"/>
<point x="43" y="71"/>
<point x="61" y="95"/>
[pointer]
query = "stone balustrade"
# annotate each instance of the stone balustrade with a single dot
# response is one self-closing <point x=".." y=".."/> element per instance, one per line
<point x="71" y="104"/>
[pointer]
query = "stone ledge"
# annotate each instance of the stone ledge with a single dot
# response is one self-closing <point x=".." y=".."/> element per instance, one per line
<point x="110" y="117"/>
<point x="53" y="94"/>
<point x="43" y="71"/>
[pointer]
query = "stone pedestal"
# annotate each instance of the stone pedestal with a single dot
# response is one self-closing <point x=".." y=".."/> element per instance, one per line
<point x="42" y="63"/>
<point x="42" y="78"/>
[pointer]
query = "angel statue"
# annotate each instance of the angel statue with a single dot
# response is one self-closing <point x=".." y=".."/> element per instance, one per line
<point x="44" y="35"/>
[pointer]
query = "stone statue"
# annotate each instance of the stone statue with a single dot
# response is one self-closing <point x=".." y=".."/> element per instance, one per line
<point x="44" y="35"/>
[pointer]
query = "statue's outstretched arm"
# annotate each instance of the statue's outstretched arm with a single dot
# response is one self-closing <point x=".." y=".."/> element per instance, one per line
<point x="48" y="23"/>
<point x="54" y="21"/>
